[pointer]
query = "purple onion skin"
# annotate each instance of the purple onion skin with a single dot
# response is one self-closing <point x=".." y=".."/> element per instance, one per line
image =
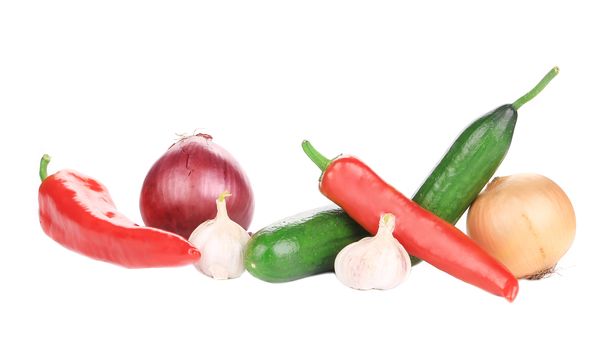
<point x="180" y="189"/>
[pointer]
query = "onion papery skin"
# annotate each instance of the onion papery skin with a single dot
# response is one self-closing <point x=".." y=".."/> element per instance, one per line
<point x="526" y="221"/>
<point x="179" y="190"/>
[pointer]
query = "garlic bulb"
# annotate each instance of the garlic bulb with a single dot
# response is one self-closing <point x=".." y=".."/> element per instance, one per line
<point x="221" y="242"/>
<point x="378" y="262"/>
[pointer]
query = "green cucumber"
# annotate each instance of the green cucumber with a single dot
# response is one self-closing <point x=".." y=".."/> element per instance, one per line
<point x="301" y="246"/>
<point x="468" y="165"/>
<point x="472" y="160"/>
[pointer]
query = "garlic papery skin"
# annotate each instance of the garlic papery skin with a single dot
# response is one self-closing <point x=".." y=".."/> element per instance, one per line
<point x="378" y="262"/>
<point x="221" y="242"/>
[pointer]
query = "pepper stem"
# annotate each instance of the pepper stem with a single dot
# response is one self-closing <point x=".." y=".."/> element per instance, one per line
<point x="317" y="158"/>
<point x="44" y="166"/>
<point x="537" y="89"/>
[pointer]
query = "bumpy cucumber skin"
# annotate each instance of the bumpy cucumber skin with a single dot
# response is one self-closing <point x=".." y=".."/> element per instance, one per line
<point x="301" y="246"/>
<point x="468" y="165"/>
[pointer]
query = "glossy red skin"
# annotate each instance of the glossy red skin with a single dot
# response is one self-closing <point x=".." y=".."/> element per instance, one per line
<point x="78" y="212"/>
<point x="180" y="189"/>
<point x="365" y="196"/>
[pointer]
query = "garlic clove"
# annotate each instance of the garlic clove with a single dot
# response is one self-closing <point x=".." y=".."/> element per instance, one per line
<point x="378" y="262"/>
<point x="222" y="243"/>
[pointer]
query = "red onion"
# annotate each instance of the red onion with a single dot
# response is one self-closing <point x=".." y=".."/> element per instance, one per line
<point x="179" y="191"/>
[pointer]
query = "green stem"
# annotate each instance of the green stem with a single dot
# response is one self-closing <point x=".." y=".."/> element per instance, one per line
<point x="44" y="166"/>
<point x="317" y="158"/>
<point x="537" y="89"/>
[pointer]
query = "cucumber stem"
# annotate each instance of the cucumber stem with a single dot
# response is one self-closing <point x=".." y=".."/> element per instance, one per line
<point x="44" y="166"/>
<point x="317" y="158"/>
<point x="537" y="89"/>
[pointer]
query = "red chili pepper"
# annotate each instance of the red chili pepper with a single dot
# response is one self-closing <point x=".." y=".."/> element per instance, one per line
<point x="365" y="196"/>
<point x="78" y="212"/>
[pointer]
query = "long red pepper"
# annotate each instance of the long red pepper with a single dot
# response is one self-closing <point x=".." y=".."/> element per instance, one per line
<point x="365" y="196"/>
<point x="78" y="212"/>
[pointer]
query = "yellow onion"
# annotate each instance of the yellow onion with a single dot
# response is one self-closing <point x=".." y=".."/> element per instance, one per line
<point x="526" y="221"/>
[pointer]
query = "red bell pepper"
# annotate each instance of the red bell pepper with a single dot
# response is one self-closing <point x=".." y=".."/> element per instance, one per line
<point x="78" y="212"/>
<point x="365" y="197"/>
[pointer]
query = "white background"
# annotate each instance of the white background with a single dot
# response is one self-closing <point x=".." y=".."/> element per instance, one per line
<point x="104" y="87"/>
